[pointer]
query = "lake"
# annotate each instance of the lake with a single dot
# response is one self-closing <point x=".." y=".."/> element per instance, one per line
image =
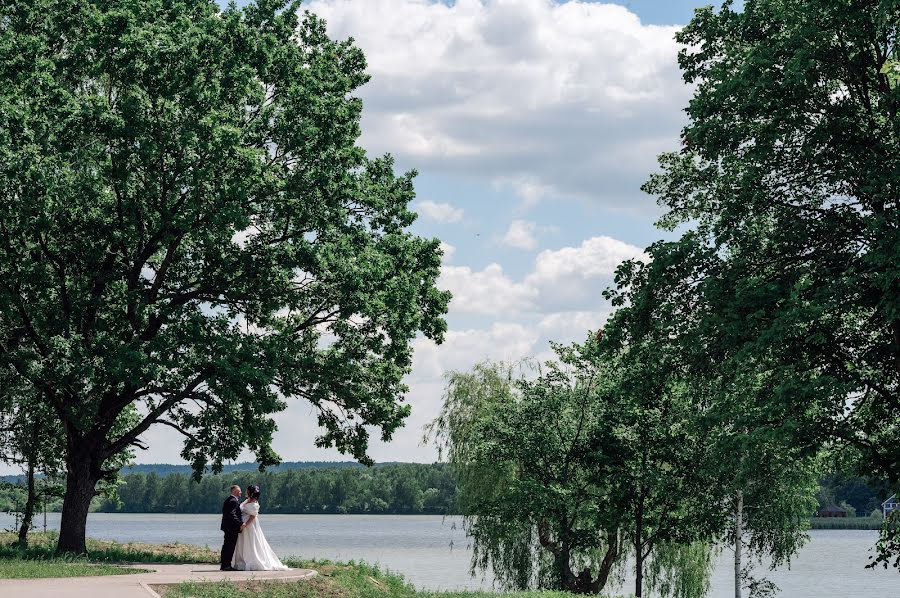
<point x="433" y="552"/>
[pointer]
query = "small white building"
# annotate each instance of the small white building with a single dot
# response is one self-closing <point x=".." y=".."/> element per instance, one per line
<point x="890" y="505"/>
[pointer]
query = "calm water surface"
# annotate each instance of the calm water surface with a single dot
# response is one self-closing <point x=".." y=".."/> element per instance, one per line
<point x="433" y="552"/>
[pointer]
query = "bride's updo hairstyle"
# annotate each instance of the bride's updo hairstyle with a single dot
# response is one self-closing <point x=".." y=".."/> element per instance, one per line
<point x="253" y="492"/>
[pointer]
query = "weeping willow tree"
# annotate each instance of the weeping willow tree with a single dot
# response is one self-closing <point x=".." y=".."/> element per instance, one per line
<point x="558" y="483"/>
<point x="680" y="570"/>
<point x="532" y="504"/>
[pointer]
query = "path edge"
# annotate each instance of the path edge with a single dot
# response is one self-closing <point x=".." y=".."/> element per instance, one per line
<point x="151" y="592"/>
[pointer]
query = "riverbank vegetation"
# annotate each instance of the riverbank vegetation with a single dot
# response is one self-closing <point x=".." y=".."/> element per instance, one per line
<point x="353" y="580"/>
<point x="40" y="558"/>
<point x="320" y="488"/>
<point x="389" y="489"/>
<point x="332" y="580"/>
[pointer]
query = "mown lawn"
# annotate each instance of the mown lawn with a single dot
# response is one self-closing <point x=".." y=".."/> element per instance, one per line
<point x="39" y="559"/>
<point x="16" y="568"/>
<point x="333" y="580"/>
<point x="351" y="580"/>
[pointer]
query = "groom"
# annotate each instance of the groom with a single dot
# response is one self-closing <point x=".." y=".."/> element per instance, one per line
<point x="231" y="525"/>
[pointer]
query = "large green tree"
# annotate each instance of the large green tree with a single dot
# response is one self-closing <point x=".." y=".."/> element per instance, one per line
<point x="788" y="181"/>
<point x="565" y="475"/>
<point x="190" y="230"/>
<point x="519" y="448"/>
<point x="657" y="454"/>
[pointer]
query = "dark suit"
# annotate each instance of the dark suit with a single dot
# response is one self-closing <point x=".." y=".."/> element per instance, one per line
<point x="231" y="525"/>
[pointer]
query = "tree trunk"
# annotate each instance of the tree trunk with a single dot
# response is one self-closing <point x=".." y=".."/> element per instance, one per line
<point x="81" y="481"/>
<point x="612" y="552"/>
<point x="28" y="514"/>
<point x="738" y="542"/>
<point x="639" y="549"/>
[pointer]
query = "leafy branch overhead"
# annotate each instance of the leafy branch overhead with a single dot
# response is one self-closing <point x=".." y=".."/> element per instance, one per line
<point x="190" y="228"/>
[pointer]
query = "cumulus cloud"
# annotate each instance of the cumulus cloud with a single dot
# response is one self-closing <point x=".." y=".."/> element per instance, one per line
<point x="566" y="279"/>
<point x="572" y="98"/>
<point x="597" y="256"/>
<point x="488" y="291"/>
<point x="447" y="250"/>
<point x="440" y="212"/>
<point x="461" y="349"/>
<point x="522" y="234"/>
<point x="571" y="326"/>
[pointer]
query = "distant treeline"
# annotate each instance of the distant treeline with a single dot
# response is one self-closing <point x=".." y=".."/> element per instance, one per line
<point x="166" y="468"/>
<point x="347" y="487"/>
<point x="389" y="489"/>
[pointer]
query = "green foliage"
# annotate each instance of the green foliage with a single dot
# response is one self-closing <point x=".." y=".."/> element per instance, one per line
<point x="888" y="545"/>
<point x="660" y="446"/>
<point x="528" y="493"/>
<point x="567" y="470"/>
<point x="863" y="494"/>
<point x="681" y="571"/>
<point x="398" y="489"/>
<point x="190" y="228"/>
<point x="784" y="292"/>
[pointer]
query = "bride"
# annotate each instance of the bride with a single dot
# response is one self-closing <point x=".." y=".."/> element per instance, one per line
<point x="252" y="552"/>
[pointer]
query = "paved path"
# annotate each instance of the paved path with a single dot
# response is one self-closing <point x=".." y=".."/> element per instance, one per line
<point x="136" y="585"/>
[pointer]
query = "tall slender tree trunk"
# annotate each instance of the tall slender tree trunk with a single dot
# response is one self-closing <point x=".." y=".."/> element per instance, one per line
<point x="738" y="541"/>
<point x="30" y="502"/>
<point x="81" y="482"/>
<point x="639" y="547"/>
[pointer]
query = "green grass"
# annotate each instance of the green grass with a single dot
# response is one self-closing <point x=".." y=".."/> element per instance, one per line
<point x="42" y="546"/>
<point x="845" y="522"/>
<point x="333" y="580"/>
<point x="39" y="558"/>
<point x="16" y="568"/>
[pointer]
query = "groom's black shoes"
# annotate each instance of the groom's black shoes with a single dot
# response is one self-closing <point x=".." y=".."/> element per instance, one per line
<point x="227" y="569"/>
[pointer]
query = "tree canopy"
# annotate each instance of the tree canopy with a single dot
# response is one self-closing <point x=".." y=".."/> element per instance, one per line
<point x="190" y="230"/>
<point x="787" y="181"/>
<point x="569" y="473"/>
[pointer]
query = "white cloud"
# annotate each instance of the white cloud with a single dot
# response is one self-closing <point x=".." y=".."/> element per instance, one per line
<point x="522" y="234"/>
<point x="595" y="257"/>
<point x="568" y="98"/>
<point x="461" y="349"/>
<point x="488" y="291"/>
<point x="526" y="187"/>
<point x="572" y="326"/>
<point x="440" y="212"/>
<point x="573" y="278"/>
<point x="566" y="279"/>
<point x="447" y="250"/>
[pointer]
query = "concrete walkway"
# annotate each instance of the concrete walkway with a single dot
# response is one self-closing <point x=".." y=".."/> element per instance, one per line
<point x="136" y="585"/>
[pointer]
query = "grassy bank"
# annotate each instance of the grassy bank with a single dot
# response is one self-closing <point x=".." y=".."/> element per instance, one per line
<point x="845" y="522"/>
<point x="39" y="559"/>
<point x="333" y="580"/>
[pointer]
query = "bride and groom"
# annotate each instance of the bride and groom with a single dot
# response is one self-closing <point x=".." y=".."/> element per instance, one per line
<point x="245" y="547"/>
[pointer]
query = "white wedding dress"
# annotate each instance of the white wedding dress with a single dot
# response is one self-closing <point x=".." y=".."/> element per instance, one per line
<point x="252" y="552"/>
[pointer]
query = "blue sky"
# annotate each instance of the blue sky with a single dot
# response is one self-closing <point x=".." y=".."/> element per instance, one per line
<point x="532" y="125"/>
